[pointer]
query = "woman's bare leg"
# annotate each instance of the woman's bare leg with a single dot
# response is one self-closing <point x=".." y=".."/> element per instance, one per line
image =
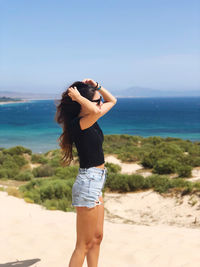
<point x="93" y="253"/>
<point x="85" y="226"/>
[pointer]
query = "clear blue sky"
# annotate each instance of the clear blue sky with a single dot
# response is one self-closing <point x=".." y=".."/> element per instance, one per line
<point x="46" y="45"/>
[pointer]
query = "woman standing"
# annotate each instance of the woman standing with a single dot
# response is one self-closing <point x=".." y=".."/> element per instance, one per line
<point x="80" y="108"/>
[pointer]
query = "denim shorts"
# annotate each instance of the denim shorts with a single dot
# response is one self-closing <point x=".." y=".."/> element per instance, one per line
<point x="88" y="186"/>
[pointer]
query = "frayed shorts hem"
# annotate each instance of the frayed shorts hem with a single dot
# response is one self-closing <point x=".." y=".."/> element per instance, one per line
<point x="97" y="203"/>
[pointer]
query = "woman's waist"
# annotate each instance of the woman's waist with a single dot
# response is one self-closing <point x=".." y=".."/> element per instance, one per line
<point x="93" y="169"/>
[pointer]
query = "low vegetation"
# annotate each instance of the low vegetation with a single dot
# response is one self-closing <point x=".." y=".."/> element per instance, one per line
<point x="42" y="180"/>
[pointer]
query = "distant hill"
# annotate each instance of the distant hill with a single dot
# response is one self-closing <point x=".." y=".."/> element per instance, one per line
<point x="146" y="92"/>
<point x="129" y="92"/>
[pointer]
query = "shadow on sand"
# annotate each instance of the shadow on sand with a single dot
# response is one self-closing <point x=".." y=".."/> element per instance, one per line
<point x="24" y="263"/>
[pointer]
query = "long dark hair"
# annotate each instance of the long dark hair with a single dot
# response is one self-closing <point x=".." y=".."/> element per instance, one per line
<point x="67" y="110"/>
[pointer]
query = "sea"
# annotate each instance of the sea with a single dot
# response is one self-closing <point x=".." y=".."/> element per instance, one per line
<point x="32" y="125"/>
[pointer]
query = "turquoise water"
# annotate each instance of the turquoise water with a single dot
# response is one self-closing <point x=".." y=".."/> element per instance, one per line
<point x="32" y="124"/>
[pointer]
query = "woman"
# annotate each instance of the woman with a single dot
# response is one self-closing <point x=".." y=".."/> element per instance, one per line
<point x="80" y="108"/>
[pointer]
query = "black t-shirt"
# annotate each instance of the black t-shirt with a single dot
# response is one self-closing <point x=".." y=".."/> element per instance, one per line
<point x="88" y="143"/>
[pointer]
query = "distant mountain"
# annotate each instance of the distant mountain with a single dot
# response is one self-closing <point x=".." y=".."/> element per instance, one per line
<point x="129" y="92"/>
<point x="146" y="92"/>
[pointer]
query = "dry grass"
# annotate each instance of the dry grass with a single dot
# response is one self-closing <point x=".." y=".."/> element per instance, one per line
<point x="13" y="191"/>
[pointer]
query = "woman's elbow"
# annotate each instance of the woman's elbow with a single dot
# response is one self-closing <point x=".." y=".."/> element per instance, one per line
<point x="115" y="100"/>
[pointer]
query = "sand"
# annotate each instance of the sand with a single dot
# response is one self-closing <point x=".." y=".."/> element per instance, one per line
<point x="141" y="229"/>
<point x="151" y="208"/>
<point x="42" y="238"/>
<point x="125" y="167"/>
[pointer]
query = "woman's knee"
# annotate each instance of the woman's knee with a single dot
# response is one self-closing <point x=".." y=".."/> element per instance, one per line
<point x="97" y="239"/>
<point x="86" y="246"/>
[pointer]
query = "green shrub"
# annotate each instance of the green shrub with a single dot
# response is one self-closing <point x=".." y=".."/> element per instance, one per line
<point x="55" y="189"/>
<point x="53" y="194"/>
<point x="151" y="158"/>
<point x="194" y="161"/>
<point x="196" y="185"/>
<point x="17" y="150"/>
<point x="58" y="204"/>
<point x="54" y="157"/>
<point x="33" y="184"/>
<point x="10" y="166"/>
<point x="37" y="158"/>
<point x="43" y="171"/>
<point x="135" y="182"/>
<point x="183" y="144"/>
<point x="117" y="182"/>
<point x="147" y="161"/>
<point x="160" y="184"/>
<point x="19" y="160"/>
<point x="55" y="162"/>
<point x="47" y="189"/>
<point x="4" y="157"/>
<point x="187" y="189"/>
<point x="154" y="140"/>
<point x="124" y="182"/>
<point x="8" y="162"/>
<point x="3" y="173"/>
<point x="24" y="176"/>
<point x="115" y="168"/>
<point x="169" y="148"/>
<point x="34" y="195"/>
<point x="69" y="172"/>
<point x="194" y="150"/>
<point x="118" y="143"/>
<point x="128" y="156"/>
<point x="165" y="166"/>
<point x="179" y="183"/>
<point x="1" y="157"/>
<point x="12" y="172"/>
<point x="151" y="181"/>
<point x="185" y="171"/>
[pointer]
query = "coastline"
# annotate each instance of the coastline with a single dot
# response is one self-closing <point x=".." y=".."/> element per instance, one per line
<point x="130" y="117"/>
<point x="13" y="102"/>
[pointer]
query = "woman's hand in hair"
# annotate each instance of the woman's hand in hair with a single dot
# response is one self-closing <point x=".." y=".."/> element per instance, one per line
<point x="90" y="82"/>
<point x="73" y="93"/>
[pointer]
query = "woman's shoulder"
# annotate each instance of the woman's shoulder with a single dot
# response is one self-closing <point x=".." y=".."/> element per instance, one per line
<point x="75" y="125"/>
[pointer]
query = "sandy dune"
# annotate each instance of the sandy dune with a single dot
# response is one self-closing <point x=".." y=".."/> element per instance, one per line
<point x="142" y="229"/>
<point x="151" y="208"/>
<point x="37" y="237"/>
<point x="125" y="167"/>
